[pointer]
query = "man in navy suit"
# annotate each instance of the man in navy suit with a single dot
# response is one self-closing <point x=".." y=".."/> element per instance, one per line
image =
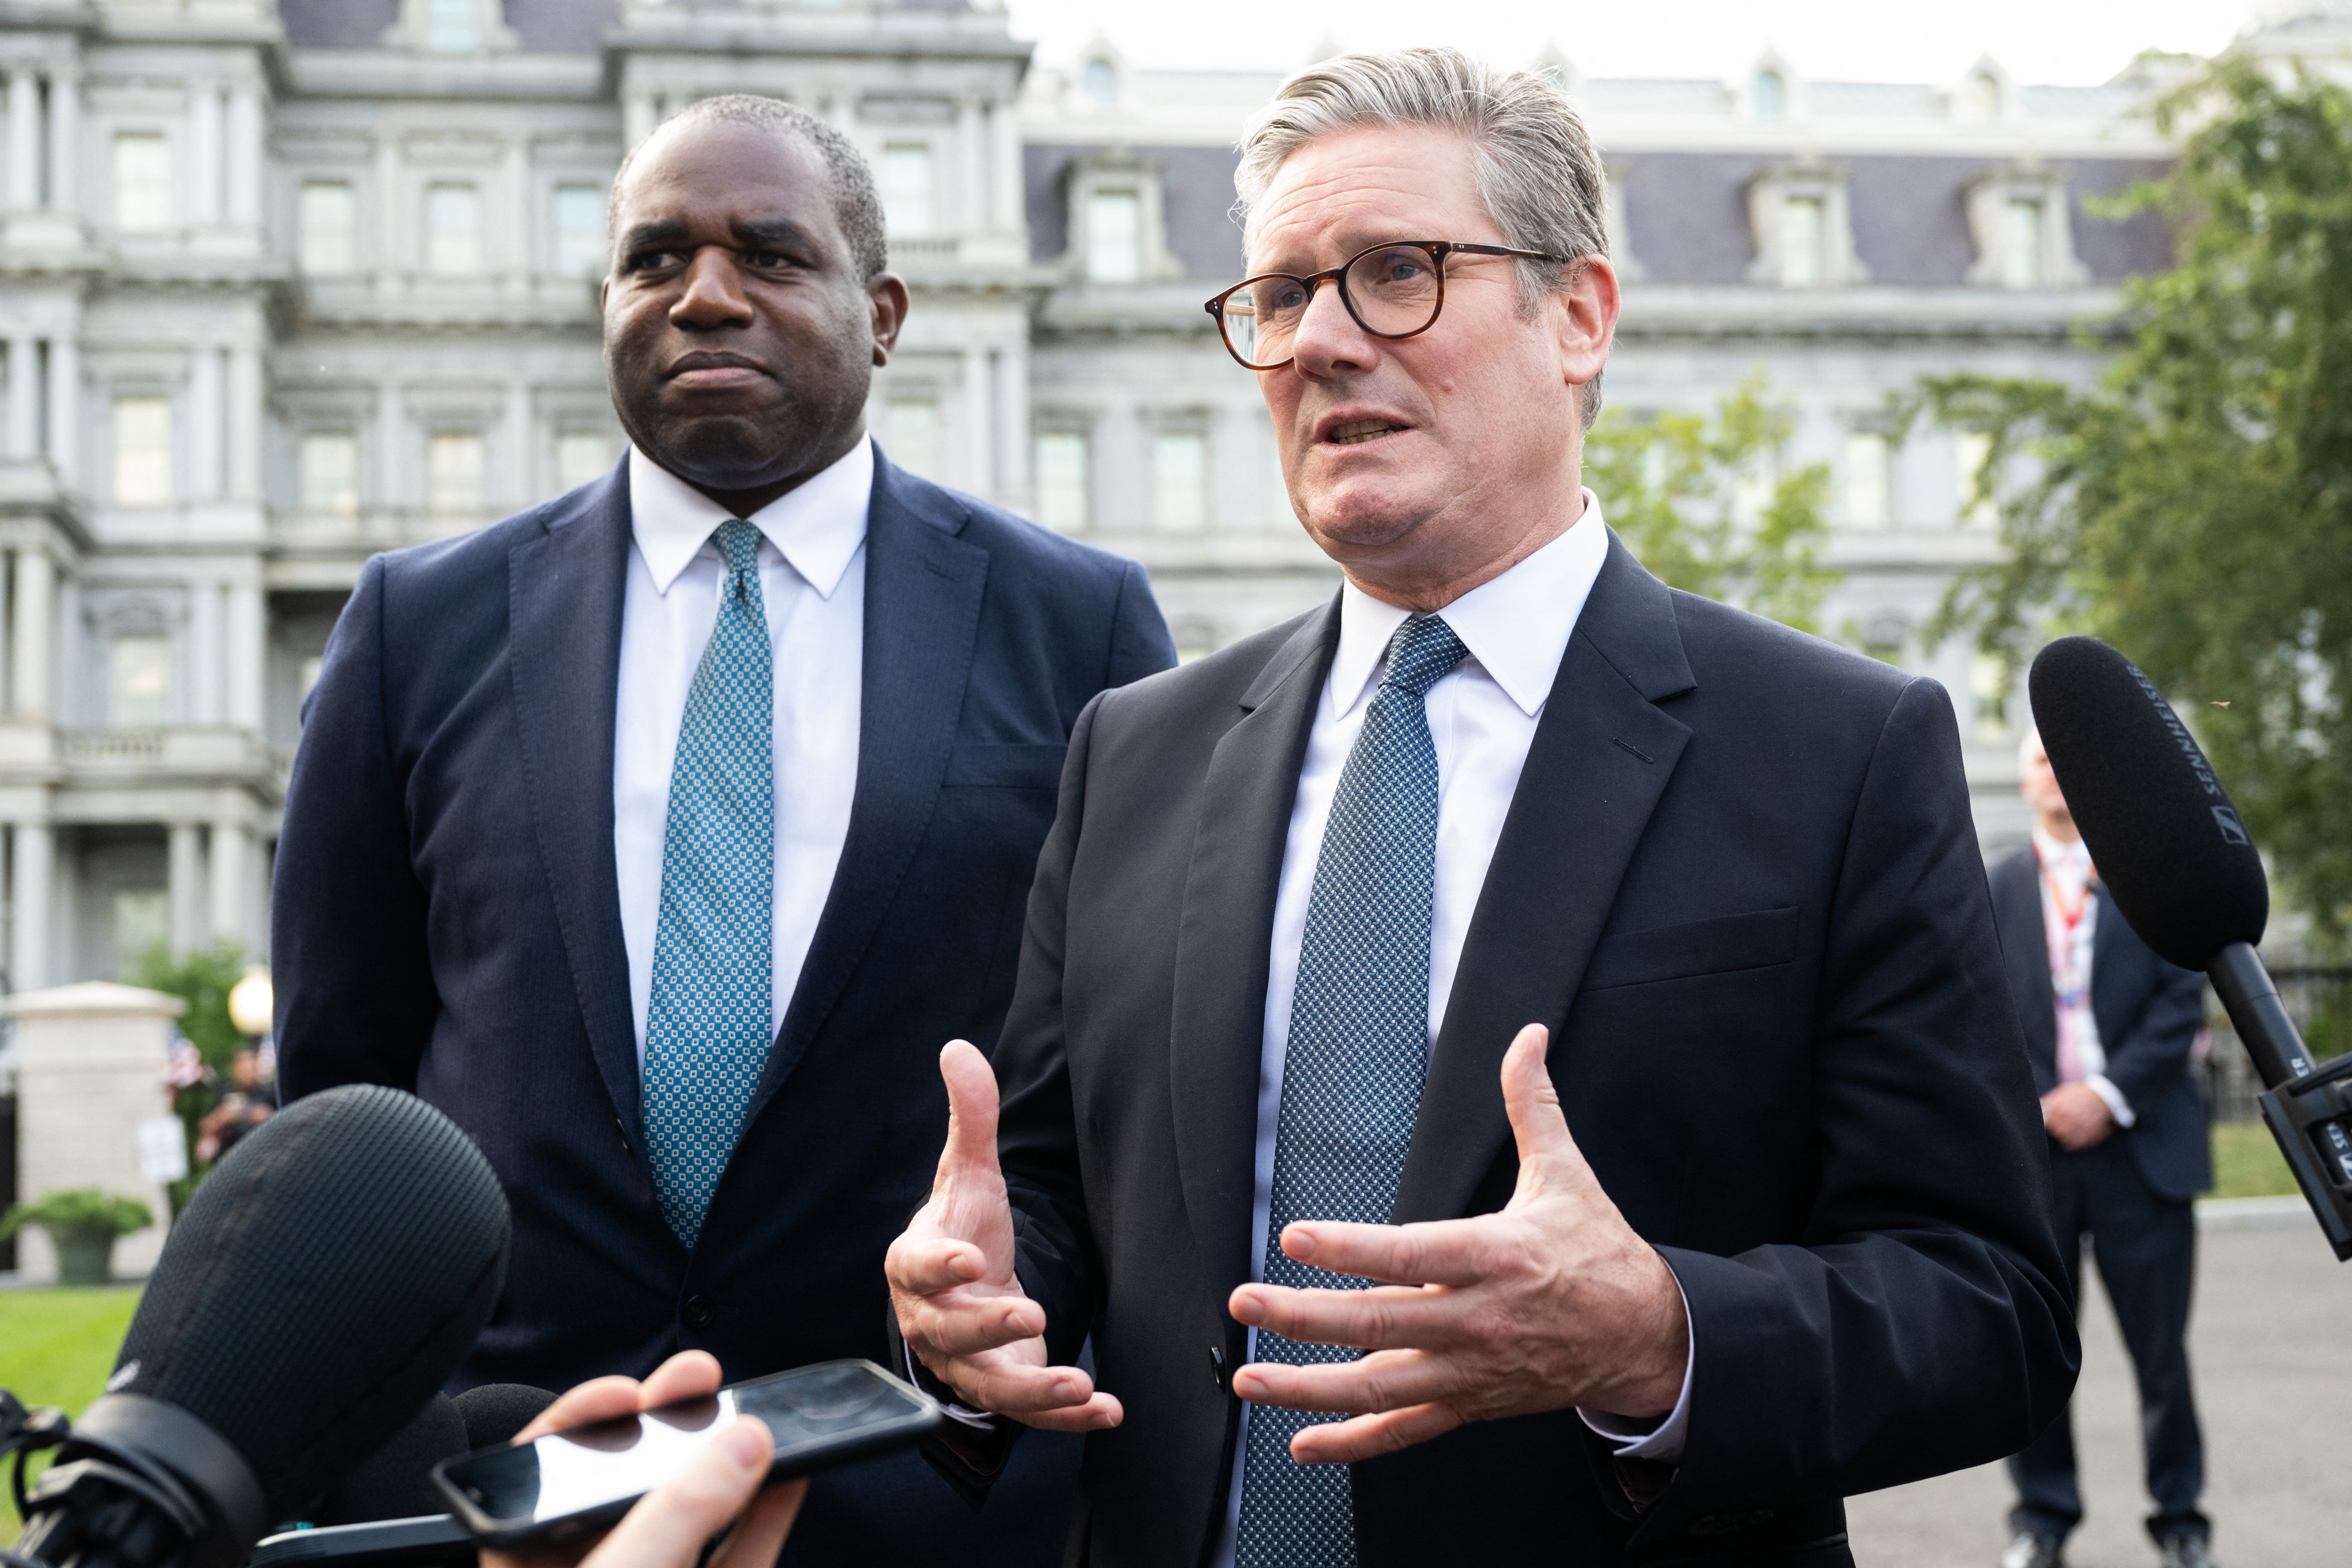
<point x="2108" y="1026"/>
<point x="660" y="832"/>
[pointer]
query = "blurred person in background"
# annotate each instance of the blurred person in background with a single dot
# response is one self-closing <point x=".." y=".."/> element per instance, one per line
<point x="2108" y="1028"/>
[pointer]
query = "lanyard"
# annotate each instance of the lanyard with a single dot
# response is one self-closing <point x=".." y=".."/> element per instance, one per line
<point x="2073" y="917"/>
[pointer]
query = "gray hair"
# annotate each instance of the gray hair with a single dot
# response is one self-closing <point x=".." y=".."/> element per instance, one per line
<point x="857" y="205"/>
<point x="1534" y="162"/>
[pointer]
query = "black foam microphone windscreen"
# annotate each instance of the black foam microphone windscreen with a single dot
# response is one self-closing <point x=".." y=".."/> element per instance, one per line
<point x="329" y="1277"/>
<point x="2166" y="839"/>
<point x="392" y="1482"/>
<point x="495" y="1412"/>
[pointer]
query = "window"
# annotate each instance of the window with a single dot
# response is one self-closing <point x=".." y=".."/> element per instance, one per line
<point x="142" y="451"/>
<point x="329" y="219"/>
<point x="138" y="681"/>
<point x="1865" y="476"/>
<point x="1984" y="95"/>
<point x="906" y="189"/>
<point x="2020" y="242"/>
<point x="452" y="230"/>
<point x="454" y="465"/>
<point x="581" y="457"/>
<point x="1062" y="498"/>
<point x="143" y="922"/>
<point x="911" y="436"/>
<point x="1772" y="95"/>
<point x="1801" y="228"/>
<point x="1114" y="237"/>
<point x="1970" y="448"/>
<point x="1180" y="480"/>
<point x="1102" y="82"/>
<point x="580" y="231"/>
<point x="143" y="180"/>
<point x="453" y="26"/>
<point x="330" y="461"/>
<point x="1988" y="685"/>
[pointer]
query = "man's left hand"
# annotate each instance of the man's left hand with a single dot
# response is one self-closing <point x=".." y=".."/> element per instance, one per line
<point x="1551" y="1303"/>
<point x="2078" y="1116"/>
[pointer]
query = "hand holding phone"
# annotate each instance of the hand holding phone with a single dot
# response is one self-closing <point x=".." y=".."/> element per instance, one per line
<point x="668" y="1527"/>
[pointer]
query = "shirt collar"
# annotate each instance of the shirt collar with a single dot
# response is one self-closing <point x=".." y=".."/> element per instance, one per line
<point x="2063" y="855"/>
<point x="816" y="526"/>
<point x="1516" y="626"/>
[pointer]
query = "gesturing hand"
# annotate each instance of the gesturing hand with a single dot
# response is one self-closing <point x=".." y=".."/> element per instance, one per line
<point x="1553" y="1302"/>
<point x="959" y="1308"/>
<point x="670" y="1525"/>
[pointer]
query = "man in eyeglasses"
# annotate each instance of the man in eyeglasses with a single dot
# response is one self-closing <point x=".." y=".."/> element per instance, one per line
<point x="1513" y="1066"/>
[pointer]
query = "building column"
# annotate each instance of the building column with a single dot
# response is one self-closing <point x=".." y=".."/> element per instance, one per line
<point x="243" y="421"/>
<point x="205" y="653"/>
<point x="31" y="873"/>
<point x="979" y="436"/>
<point x="243" y="633"/>
<point x="231" y="881"/>
<point x="204" y="409"/>
<point x="23" y="395"/>
<point x="972" y="201"/>
<point x="1012" y="481"/>
<point x="395" y="248"/>
<point x="24" y="137"/>
<point x="392" y="473"/>
<point x="64" y="137"/>
<point x="65" y="410"/>
<point x="511" y="258"/>
<point x="35" y="586"/>
<point x="244" y="160"/>
<point x="202" y="175"/>
<point x="1011" y="204"/>
<point x="638" y="118"/>
<point x="186" y="882"/>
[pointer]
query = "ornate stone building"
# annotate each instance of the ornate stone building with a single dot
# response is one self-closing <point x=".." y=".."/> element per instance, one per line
<point x="285" y="284"/>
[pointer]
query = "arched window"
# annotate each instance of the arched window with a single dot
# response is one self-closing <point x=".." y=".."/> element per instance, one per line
<point x="1102" y="82"/>
<point x="1772" y="95"/>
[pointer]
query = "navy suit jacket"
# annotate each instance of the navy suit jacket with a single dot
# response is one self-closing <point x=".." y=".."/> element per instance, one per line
<point x="446" y="920"/>
<point x="1739" y="883"/>
<point x="2149" y="1013"/>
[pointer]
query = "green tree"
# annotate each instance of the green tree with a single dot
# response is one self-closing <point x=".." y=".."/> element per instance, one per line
<point x="203" y="979"/>
<point x="1704" y="504"/>
<point x="2194" y="508"/>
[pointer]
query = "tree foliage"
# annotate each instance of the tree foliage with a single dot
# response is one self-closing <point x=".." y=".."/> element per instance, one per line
<point x="2194" y="508"/>
<point x="1703" y="504"/>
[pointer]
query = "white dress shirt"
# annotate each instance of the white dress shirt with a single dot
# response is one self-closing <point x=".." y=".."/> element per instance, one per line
<point x="2065" y="883"/>
<point x="1481" y="718"/>
<point x="813" y="585"/>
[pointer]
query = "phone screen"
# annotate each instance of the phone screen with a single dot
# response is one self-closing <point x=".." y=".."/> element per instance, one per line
<point x="826" y="1413"/>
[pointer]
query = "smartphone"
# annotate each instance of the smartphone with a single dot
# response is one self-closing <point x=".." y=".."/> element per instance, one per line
<point x="432" y="1541"/>
<point x="579" y="1482"/>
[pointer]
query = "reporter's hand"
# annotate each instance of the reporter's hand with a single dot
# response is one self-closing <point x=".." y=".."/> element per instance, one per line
<point x="2078" y="1116"/>
<point x="1553" y="1302"/>
<point x="670" y="1525"/>
<point x="959" y="1308"/>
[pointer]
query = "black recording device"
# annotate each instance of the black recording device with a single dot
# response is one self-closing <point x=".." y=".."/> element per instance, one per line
<point x="2181" y="867"/>
<point x="574" y="1483"/>
<point x="327" y="1279"/>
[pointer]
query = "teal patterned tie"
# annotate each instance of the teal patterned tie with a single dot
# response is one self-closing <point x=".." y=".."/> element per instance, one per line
<point x="1352" y="1070"/>
<point x="706" y="1021"/>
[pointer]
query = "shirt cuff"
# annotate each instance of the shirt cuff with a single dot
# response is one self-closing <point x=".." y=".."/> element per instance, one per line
<point x="1661" y="1440"/>
<point x="917" y="1374"/>
<point x="2103" y="1087"/>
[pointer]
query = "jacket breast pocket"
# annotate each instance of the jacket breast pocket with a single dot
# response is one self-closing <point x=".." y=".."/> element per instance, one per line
<point x="1718" y="946"/>
<point x="1006" y="765"/>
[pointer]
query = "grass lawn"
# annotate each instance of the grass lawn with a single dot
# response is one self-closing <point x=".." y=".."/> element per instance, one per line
<point x="2247" y="1162"/>
<point x="55" y="1348"/>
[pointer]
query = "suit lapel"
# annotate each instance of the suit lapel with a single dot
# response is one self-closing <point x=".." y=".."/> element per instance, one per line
<point x="923" y="587"/>
<point x="1600" y="759"/>
<point x="1217" y="1020"/>
<point x="2026" y="948"/>
<point x="563" y="651"/>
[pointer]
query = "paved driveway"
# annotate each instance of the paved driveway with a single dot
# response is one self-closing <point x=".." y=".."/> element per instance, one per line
<point x="2272" y="1345"/>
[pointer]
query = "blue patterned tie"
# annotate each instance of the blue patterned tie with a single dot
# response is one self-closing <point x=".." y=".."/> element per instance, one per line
<point x="1352" y="1073"/>
<point x="707" y="1020"/>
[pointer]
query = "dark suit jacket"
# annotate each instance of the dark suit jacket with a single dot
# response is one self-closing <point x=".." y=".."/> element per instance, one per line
<point x="2149" y="1013"/>
<point x="446" y="919"/>
<point x="1739" y="883"/>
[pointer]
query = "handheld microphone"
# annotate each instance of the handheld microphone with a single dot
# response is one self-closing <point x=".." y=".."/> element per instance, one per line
<point x="328" y="1278"/>
<point x="2183" y="870"/>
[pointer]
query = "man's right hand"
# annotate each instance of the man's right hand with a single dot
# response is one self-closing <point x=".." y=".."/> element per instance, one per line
<point x="959" y="1308"/>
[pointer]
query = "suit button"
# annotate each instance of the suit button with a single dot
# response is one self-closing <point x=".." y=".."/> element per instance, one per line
<point x="698" y="1311"/>
<point x="1217" y="1368"/>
